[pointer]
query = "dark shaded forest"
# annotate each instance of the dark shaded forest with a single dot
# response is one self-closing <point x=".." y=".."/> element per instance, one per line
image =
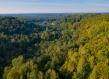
<point x="70" y="47"/>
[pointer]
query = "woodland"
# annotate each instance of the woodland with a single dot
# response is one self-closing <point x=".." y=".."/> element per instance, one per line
<point x="73" y="46"/>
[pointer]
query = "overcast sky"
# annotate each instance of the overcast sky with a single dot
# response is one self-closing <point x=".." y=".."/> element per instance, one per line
<point x="53" y="6"/>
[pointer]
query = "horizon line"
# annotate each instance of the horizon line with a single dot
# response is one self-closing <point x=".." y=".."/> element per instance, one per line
<point x="54" y="13"/>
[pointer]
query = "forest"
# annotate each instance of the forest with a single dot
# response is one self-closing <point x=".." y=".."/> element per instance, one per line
<point x="72" y="46"/>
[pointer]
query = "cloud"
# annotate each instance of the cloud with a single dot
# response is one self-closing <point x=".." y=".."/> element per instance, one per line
<point x="100" y="4"/>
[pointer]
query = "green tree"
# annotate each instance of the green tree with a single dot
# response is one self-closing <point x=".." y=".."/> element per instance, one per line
<point x="51" y="74"/>
<point x="45" y="35"/>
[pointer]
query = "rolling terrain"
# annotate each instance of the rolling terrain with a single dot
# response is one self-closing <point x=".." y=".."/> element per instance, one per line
<point x="71" y="47"/>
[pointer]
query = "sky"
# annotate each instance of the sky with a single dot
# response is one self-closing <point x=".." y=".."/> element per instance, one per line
<point x="54" y="6"/>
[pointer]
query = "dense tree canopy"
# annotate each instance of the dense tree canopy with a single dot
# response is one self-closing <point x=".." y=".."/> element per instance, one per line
<point x="72" y="47"/>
